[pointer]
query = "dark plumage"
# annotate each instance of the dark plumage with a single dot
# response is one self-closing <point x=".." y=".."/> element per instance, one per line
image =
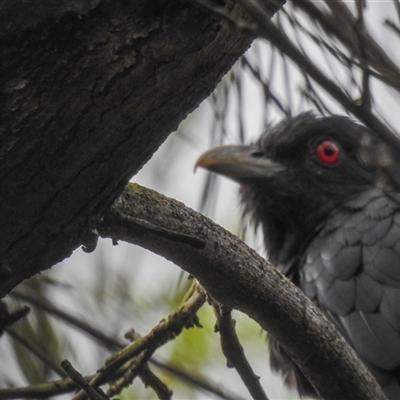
<point x="321" y="190"/>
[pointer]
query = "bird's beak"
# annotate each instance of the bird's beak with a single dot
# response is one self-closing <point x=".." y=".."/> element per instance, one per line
<point x="239" y="163"/>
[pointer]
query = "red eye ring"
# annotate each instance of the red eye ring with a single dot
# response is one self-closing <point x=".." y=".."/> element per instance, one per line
<point x="328" y="152"/>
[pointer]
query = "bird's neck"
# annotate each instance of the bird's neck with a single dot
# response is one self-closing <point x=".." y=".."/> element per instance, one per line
<point x="287" y="229"/>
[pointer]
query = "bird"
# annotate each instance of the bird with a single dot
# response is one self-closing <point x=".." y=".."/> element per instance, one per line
<point x="324" y="192"/>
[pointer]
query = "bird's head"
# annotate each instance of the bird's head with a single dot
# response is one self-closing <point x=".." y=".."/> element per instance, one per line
<point x="298" y="172"/>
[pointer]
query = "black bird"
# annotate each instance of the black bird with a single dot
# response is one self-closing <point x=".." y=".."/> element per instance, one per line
<point x="330" y="214"/>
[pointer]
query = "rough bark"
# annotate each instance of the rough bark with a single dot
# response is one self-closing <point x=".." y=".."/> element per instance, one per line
<point x="88" y="91"/>
<point x="238" y="277"/>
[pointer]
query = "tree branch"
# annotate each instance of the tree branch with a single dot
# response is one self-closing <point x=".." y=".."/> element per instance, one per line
<point x="49" y="389"/>
<point x="238" y="277"/>
<point x="143" y="348"/>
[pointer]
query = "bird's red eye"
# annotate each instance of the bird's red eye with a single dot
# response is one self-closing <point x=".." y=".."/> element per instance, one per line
<point x="328" y="152"/>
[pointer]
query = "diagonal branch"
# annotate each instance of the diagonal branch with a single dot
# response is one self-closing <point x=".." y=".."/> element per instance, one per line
<point x="264" y="28"/>
<point x="389" y="72"/>
<point x="238" y="277"/>
<point x="166" y="330"/>
<point x="46" y="390"/>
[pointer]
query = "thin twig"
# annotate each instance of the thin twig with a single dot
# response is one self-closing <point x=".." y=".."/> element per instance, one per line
<point x="234" y="352"/>
<point x="166" y="330"/>
<point x="82" y="382"/>
<point x="110" y="343"/>
<point x="266" y="29"/>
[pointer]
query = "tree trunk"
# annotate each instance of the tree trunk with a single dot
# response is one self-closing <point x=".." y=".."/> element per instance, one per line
<point x="89" y="91"/>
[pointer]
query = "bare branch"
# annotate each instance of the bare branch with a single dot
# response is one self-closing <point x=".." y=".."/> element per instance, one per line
<point x="50" y="389"/>
<point x="234" y="352"/>
<point x="388" y="71"/>
<point x="238" y="277"/>
<point x="75" y="376"/>
<point x="263" y="27"/>
<point x="166" y="330"/>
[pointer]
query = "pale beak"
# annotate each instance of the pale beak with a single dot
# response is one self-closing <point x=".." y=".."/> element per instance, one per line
<point x="240" y="163"/>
